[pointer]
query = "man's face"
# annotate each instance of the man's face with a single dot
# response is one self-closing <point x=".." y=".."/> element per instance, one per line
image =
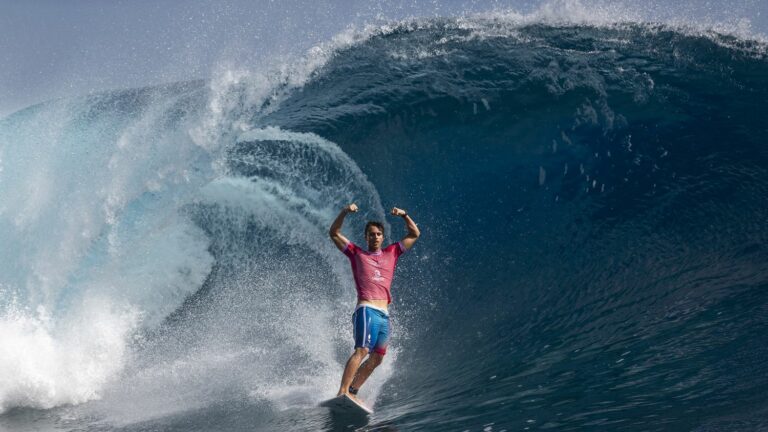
<point x="375" y="237"/>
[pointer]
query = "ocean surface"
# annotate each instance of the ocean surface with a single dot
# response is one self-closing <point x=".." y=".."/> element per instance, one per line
<point x="594" y="249"/>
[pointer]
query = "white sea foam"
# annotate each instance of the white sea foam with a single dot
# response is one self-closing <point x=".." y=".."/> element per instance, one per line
<point x="46" y="362"/>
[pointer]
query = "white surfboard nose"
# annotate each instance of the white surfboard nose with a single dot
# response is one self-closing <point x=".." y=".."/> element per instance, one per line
<point x="345" y="404"/>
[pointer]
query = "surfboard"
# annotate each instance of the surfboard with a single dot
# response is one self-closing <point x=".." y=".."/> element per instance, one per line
<point x="347" y="405"/>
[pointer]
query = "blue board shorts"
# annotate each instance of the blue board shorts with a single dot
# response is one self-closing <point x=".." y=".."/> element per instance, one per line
<point x="371" y="329"/>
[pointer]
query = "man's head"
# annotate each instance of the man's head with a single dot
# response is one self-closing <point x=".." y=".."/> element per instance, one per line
<point x="374" y="235"/>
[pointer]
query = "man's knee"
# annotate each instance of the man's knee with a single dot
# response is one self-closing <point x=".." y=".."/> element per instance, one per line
<point x="360" y="353"/>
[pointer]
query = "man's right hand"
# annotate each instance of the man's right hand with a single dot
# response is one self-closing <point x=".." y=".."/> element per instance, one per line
<point x="335" y="232"/>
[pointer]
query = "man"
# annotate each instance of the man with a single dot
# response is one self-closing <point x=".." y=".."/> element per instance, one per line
<point x="373" y="271"/>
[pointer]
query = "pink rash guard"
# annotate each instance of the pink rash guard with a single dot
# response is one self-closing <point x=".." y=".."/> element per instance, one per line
<point x="373" y="271"/>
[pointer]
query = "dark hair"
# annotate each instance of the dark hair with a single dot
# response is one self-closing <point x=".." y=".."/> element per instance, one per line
<point x="377" y="224"/>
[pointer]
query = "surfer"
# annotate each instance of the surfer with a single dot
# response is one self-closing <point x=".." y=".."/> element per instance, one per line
<point x="373" y="270"/>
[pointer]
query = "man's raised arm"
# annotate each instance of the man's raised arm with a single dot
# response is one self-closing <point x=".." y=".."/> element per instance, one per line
<point x="413" y="230"/>
<point x="338" y="239"/>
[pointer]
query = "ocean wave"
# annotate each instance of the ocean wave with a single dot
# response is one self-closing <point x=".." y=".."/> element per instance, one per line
<point x="589" y="188"/>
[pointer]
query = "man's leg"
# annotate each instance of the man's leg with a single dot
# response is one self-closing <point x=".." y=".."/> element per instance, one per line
<point x="379" y="349"/>
<point x="353" y="364"/>
<point x="365" y="370"/>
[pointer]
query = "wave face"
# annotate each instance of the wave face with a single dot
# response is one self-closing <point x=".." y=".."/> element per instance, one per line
<point x="592" y="202"/>
<point x="593" y="250"/>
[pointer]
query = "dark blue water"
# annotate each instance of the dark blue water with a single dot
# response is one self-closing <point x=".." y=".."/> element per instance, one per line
<point x="593" y="251"/>
<point x="593" y="202"/>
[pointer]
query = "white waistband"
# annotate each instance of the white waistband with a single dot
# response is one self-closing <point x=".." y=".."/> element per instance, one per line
<point x="384" y="311"/>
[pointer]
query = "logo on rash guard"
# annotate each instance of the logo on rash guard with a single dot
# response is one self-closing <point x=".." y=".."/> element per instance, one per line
<point x="377" y="276"/>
